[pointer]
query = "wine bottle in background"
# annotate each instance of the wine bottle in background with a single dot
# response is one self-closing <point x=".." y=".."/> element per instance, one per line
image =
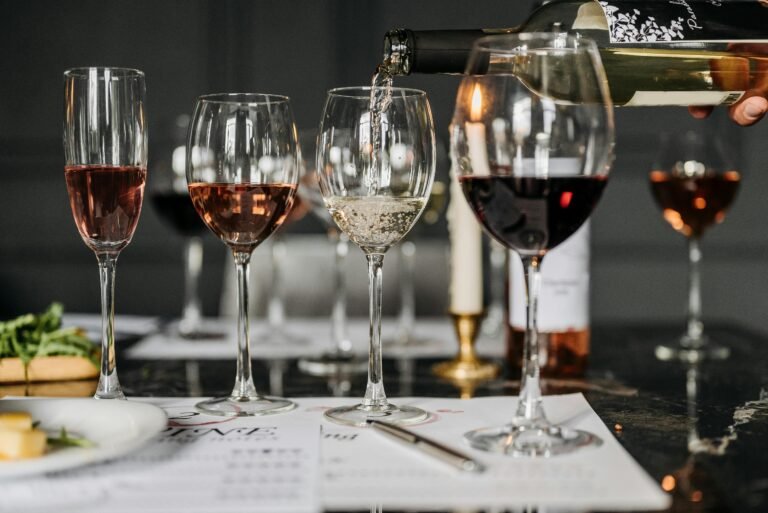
<point x="657" y="52"/>
<point x="563" y="319"/>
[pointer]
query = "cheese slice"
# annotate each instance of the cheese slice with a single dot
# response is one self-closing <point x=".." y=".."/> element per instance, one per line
<point x="19" y="420"/>
<point x="16" y="444"/>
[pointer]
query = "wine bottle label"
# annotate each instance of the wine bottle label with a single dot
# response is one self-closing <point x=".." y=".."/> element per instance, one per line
<point x="564" y="293"/>
<point x="686" y="20"/>
<point x="655" y="98"/>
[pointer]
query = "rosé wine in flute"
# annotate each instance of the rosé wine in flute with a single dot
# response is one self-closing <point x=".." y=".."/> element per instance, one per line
<point x="242" y="215"/>
<point x="105" y="170"/>
<point x="106" y="203"/>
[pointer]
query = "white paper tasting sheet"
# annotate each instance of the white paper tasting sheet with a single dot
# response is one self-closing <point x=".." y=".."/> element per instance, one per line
<point x="360" y="465"/>
<point x="434" y="338"/>
<point x="199" y="464"/>
<point x="299" y="462"/>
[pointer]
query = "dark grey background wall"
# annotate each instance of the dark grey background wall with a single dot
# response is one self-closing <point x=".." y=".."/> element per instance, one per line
<point x="302" y="48"/>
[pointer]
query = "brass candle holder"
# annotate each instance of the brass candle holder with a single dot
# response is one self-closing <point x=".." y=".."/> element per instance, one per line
<point x="466" y="366"/>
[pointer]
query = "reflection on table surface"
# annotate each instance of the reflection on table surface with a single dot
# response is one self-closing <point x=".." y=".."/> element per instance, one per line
<point x="700" y="431"/>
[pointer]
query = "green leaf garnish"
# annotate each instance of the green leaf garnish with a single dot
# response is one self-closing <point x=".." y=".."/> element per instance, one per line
<point x="29" y="336"/>
<point x="64" y="439"/>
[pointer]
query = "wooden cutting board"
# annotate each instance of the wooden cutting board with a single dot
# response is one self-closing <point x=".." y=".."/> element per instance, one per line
<point x="47" y="368"/>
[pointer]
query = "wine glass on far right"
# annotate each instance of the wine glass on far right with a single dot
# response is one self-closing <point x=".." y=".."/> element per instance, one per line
<point x="694" y="184"/>
<point x="532" y="135"/>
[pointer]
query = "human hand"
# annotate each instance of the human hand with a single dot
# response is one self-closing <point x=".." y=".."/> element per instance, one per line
<point x="745" y="113"/>
<point x="733" y="73"/>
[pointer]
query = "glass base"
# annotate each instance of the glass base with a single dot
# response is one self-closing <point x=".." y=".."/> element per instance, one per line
<point x="109" y="387"/>
<point x="524" y="441"/>
<point x="333" y="364"/>
<point x="245" y="406"/>
<point x="358" y="414"/>
<point x="689" y="352"/>
<point x="201" y="334"/>
<point x="113" y="394"/>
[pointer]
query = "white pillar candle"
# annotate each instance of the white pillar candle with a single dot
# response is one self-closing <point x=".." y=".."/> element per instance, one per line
<point x="464" y="230"/>
<point x="465" y="237"/>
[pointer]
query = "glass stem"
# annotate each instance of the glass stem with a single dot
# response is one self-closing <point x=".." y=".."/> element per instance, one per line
<point x="342" y="343"/>
<point x="407" y="315"/>
<point x="193" y="263"/>
<point x="374" y="391"/>
<point x="494" y="317"/>
<point x="529" y="408"/>
<point x="244" y="387"/>
<point x="691" y="389"/>
<point x="276" y="306"/>
<point x="276" y="374"/>
<point x="694" y="335"/>
<point x="109" y="386"/>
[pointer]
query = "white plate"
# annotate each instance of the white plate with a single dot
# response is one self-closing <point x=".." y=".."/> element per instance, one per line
<point x="115" y="427"/>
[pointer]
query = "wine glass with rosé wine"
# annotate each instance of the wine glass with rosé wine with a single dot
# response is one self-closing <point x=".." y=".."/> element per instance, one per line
<point x="105" y="152"/>
<point x="694" y="184"/>
<point x="242" y="175"/>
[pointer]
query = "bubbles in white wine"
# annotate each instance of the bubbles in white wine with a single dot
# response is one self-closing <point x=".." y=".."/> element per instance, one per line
<point x="375" y="222"/>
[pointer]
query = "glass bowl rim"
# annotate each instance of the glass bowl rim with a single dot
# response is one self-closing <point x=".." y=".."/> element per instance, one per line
<point x="243" y="98"/>
<point x="347" y="92"/>
<point x="84" y="71"/>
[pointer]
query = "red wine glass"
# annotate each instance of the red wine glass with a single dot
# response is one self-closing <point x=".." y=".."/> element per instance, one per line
<point x="242" y="174"/>
<point x="694" y="185"/>
<point x="105" y="153"/>
<point x="170" y="198"/>
<point x="533" y="137"/>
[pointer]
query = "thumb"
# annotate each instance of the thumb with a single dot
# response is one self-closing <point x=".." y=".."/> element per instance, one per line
<point x="750" y="111"/>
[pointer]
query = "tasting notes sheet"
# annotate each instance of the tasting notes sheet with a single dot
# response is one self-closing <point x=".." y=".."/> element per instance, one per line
<point x="299" y="462"/>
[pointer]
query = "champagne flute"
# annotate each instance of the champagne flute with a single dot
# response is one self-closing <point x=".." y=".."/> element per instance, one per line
<point x="376" y="163"/>
<point x="533" y="184"/>
<point x="105" y="152"/>
<point x="694" y="185"/>
<point x="242" y="171"/>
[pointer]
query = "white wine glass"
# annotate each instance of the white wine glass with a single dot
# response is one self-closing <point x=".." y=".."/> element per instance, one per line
<point x="242" y="174"/>
<point x="533" y="141"/>
<point x="105" y="152"/>
<point x="376" y="168"/>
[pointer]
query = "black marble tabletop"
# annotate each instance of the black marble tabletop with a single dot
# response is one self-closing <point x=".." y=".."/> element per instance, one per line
<point x="700" y="430"/>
